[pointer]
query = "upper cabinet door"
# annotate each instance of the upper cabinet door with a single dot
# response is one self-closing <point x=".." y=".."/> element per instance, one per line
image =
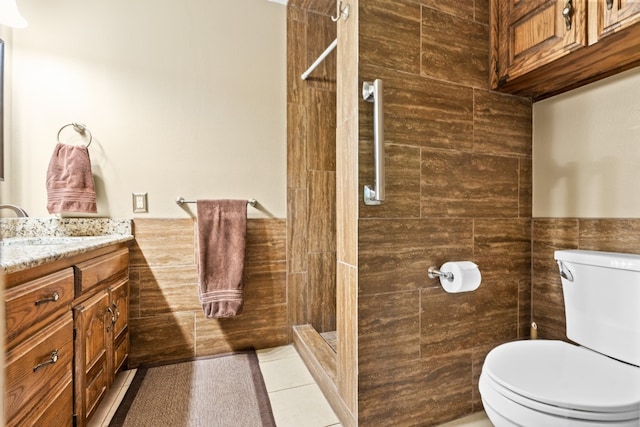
<point x="528" y="34"/>
<point x="615" y="15"/>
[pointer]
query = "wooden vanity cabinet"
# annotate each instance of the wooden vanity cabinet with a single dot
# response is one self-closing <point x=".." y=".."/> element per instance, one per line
<point x="67" y="336"/>
<point x="540" y="48"/>
<point x="101" y="314"/>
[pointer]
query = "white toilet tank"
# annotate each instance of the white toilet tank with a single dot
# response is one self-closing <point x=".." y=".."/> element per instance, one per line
<point x="602" y="301"/>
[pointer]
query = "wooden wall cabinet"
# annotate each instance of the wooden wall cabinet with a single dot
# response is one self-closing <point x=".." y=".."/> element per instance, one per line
<point x="534" y="33"/>
<point x="67" y="337"/>
<point x="540" y="48"/>
<point x="612" y="16"/>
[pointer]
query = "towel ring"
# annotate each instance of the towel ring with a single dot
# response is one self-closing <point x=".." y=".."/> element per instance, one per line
<point x="80" y="128"/>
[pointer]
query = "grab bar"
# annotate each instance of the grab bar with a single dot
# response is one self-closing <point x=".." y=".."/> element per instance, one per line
<point x="372" y="92"/>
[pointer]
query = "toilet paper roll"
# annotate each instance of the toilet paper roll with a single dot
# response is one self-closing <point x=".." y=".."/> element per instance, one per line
<point x="466" y="276"/>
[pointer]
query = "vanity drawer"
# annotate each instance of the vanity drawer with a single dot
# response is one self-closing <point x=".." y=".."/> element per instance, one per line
<point x="32" y="370"/>
<point x="56" y="411"/>
<point x="93" y="272"/>
<point x="30" y="303"/>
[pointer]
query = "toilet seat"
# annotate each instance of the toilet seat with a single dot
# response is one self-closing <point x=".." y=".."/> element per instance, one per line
<point x="561" y="379"/>
<point x="506" y="413"/>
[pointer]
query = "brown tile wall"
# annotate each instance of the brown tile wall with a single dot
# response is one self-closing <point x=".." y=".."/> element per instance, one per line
<point x="550" y="234"/>
<point x="311" y="166"/>
<point x="166" y="319"/>
<point x="458" y="166"/>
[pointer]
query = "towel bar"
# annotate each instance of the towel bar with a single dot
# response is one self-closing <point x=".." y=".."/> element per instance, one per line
<point x="181" y="201"/>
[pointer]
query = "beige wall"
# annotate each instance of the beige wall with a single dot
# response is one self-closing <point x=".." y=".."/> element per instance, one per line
<point x="183" y="99"/>
<point x="586" y="151"/>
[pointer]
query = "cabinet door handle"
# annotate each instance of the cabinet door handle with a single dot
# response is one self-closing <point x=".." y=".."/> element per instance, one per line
<point x="609" y="4"/>
<point x="52" y="359"/>
<point x="567" y="13"/>
<point x="113" y="316"/>
<point x="115" y="307"/>
<point x="53" y="298"/>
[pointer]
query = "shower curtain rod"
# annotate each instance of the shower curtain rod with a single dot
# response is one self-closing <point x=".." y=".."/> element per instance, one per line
<point x="323" y="55"/>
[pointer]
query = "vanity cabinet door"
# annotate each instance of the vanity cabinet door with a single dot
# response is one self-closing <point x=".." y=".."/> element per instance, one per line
<point x="119" y="296"/>
<point x="93" y="324"/>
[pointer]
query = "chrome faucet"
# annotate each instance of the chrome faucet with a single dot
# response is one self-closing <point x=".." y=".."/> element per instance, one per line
<point x="21" y="213"/>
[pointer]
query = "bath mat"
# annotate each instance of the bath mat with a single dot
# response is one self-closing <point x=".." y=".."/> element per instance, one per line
<point x="219" y="391"/>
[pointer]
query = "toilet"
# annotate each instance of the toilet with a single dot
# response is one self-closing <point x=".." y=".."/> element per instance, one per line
<point x="594" y="382"/>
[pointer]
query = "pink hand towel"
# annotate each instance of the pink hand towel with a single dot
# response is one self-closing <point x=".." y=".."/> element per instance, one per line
<point x="222" y="231"/>
<point x="70" y="186"/>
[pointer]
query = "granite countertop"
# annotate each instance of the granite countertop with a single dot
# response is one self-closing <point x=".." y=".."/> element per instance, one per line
<point x="30" y="242"/>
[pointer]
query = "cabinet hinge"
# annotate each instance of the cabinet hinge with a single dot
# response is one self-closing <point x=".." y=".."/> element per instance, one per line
<point x="75" y="420"/>
<point x="75" y="333"/>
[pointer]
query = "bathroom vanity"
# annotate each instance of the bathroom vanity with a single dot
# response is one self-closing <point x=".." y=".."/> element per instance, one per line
<point x="67" y="336"/>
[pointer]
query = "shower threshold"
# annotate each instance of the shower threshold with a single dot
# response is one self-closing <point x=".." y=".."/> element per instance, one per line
<point x="331" y="338"/>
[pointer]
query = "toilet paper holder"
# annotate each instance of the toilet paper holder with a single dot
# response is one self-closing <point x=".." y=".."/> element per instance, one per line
<point x="435" y="273"/>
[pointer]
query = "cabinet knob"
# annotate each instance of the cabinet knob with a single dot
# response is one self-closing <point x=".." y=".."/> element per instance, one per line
<point x="609" y="4"/>
<point x="567" y="13"/>
<point x="52" y="359"/>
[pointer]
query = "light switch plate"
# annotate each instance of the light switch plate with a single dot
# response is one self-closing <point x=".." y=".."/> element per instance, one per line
<point x="140" y="202"/>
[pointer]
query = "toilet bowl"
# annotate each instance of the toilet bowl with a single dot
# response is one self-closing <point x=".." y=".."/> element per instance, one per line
<point x="593" y="383"/>
<point x="554" y="383"/>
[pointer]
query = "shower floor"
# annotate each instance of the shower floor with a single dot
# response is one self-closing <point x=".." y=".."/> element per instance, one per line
<point x="331" y="338"/>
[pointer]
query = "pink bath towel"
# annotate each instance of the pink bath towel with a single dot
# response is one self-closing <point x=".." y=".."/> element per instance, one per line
<point x="70" y="186"/>
<point x="222" y="231"/>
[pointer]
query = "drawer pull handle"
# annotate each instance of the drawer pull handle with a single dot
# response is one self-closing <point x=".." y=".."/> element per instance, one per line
<point x="53" y="298"/>
<point x="53" y="359"/>
<point x="609" y="4"/>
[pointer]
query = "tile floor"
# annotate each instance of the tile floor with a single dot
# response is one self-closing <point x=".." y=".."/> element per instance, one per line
<point x="296" y="399"/>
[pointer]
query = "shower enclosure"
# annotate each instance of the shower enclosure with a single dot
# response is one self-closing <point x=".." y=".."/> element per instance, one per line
<point x="311" y="167"/>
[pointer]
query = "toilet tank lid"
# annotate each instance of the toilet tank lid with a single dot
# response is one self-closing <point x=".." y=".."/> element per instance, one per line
<point x="621" y="261"/>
